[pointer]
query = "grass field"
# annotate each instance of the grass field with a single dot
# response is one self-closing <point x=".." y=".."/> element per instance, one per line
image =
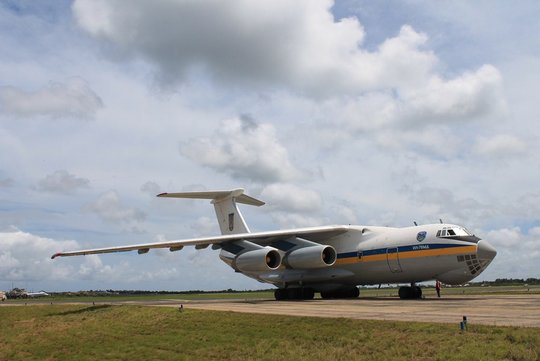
<point x="105" y="332"/>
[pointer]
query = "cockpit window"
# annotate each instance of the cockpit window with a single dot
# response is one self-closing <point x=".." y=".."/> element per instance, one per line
<point x="466" y="231"/>
<point x="452" y="232"/>
<point x="458" y="233"/>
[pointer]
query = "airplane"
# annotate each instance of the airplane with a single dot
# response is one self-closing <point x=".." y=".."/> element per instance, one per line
<point x="331" y="260"/>
<point x="36" y="294"/>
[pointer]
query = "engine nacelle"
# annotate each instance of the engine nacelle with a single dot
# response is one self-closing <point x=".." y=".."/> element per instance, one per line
<point x="311" y="257"/>
<point x="259" y="260"/>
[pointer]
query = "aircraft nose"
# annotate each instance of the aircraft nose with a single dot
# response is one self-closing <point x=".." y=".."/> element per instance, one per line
<point x="485" y="250"/>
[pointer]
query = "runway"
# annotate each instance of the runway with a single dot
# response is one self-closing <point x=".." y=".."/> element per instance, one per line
<point x="495" y="310"/>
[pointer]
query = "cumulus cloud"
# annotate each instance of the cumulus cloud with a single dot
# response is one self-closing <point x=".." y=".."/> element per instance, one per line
<point x="204" y="226"/>
<point x="27" y="257"/>
<point x="292" y="206"/>
<point x="509" y="261"/>
<point x="501" y="145"/>
<point x="109" y="208"/>
<point x="471" y="95"/>
<point x="299" y="46"/>
<point x="61" y="181"/>
<point x="287" y="220"/>
<point x="243" y="149"/>
<point x="73" y="98"/>
<point x="291" y="198"/>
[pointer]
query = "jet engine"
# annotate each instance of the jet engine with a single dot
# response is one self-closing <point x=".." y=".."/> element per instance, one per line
<point x="311" y="257"/>
<point x="263" y="259"/>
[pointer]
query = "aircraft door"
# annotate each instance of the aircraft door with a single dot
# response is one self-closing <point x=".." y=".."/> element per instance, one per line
<point x="392" y="257"/>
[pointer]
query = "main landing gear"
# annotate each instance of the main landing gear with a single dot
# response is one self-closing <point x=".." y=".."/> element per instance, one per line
<point x="299" y="293"/>
<point x="353" y="292"/>
<point x="307" y="293"/>
<point x="410" y="293"/>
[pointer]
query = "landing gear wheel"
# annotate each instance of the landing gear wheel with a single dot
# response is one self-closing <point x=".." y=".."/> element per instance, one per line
<point x="280" y="294"/>
<point x="417" y="292"/>
<point x="308" y="293"/>
<point x="299" y="293"/>
<point x="410" y="293"/>
<point x="353" y="292"/>
<point x="405" y="293"/>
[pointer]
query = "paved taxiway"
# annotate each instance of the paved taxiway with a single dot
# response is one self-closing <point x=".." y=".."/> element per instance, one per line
<point x="507" y="310"/>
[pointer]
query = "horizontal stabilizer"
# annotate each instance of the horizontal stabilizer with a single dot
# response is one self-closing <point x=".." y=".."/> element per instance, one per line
<point x="217" y="196"/>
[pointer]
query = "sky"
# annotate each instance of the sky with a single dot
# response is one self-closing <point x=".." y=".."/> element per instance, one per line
<point x="346" y="112"/>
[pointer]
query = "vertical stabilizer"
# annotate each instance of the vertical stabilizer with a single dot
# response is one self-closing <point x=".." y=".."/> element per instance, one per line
<point x="229" y="217"/>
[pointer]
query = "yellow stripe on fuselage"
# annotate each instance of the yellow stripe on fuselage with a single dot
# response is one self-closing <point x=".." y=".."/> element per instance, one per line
<point x="409" y="254"/>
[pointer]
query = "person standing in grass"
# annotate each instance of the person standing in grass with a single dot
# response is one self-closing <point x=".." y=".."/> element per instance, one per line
<point x="438" y="288"/>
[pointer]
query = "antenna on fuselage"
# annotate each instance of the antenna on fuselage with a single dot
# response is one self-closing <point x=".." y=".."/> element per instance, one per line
<point x="440" y="220"/>
<point x="416" y="224"/>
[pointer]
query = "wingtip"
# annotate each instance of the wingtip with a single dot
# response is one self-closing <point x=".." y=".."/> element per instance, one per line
<point x="162" y="194"/>
<point x="56" y="255"/>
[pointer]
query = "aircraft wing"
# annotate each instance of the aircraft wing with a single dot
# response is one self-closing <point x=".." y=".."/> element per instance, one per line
<point x="314" y="234"/>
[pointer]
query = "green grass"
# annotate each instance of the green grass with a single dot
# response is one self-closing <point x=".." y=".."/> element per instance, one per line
<point x="67" y="332"/>
<point x="148" y="297"/>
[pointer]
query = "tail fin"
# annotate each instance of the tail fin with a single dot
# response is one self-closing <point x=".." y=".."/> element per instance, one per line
<point x="229" y="217"/>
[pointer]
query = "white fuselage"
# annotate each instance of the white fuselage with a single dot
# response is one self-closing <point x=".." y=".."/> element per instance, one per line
<point x="373" y="255"/>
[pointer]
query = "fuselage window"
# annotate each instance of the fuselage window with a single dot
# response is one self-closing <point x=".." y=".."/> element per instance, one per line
<point x="443" y="233"/>
<point x="438" y="233"/>
<point x="451" y="232"/>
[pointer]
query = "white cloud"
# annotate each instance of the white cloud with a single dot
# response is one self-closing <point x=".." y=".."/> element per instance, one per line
<point x="294" y="220"/>
<point x="299" y="46"/>
<point x="506" y="237"/>
<point x="471" y="95"/>
<point x="291" y="198"/>
<point x="109" y="208"/>
<point x="344" y="214"/>
<point x="62" y="181"/>
<point x="71" y="99"/>
<point x="502" y="145"/>
<point x="243" y="149"/>
<point x="517" y="252"/>
<point x="151" y="188"/>
<point x="205" y="226"/>
<point x="27" y="257"/>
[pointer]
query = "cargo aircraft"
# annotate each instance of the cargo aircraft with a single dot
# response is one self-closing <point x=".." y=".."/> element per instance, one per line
<point x="332" y="260"/>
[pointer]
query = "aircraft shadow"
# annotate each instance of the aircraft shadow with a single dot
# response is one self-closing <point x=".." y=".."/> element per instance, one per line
<point x="82" y="310"/>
